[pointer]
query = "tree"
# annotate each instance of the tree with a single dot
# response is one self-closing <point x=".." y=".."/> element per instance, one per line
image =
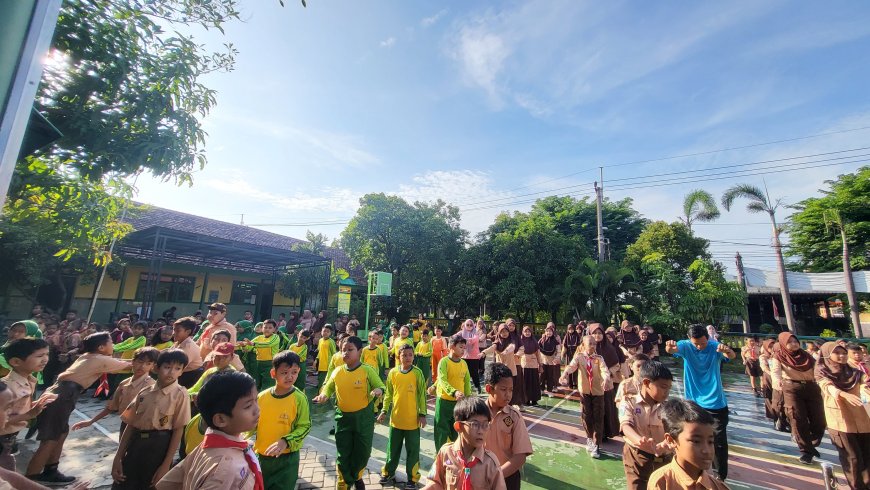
<point x="673" y="241"/>
<point x="760" y="202"/>
<point x="307" y="282"/>
<point x="834" y="220"/>
<point x="699" y="205"/>
<point x="710" y="297"/>
<point x="595" y="288"/>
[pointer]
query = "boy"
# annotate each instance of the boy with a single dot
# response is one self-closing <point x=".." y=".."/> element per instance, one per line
<point x="25" y="356"/>
<point x="155" y="423"/>
<point x="221" y="355"/>
<point x="507" y="437"/>
<point x="423" y="358"/>
<point x="217" y="338"/>
<point x="53" y="423"/>
<point x="15" y="331"/>
<point x="857" y="358"/>
<point x="370" y="353"/>
<point x="355" y="386"/>
<point x="466" y="463"/>
<point x="325" y="349"/>
<point x="228" y="404"/>
<point x="284" y="424"/>
<point x="182" y="330"/>
<point x="265" y="346"/>
<point x="454" y="383"/>
<point x="404" y="339"/>
<point x="689" y="432"/>
<point x="592" y="383"/>
<point x="631" y="386"/>
<point x="300" y="348"/>
<point x="645" y="449"/>
<point x="406" y="402"/>
<point x="143" y="362"/>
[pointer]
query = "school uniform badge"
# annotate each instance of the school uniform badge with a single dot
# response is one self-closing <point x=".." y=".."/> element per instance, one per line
<point x="508" y="421"/>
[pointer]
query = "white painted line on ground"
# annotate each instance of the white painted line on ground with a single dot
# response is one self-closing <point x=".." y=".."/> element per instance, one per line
<point x="548" y="412"/>
<point x="112" y="437"/>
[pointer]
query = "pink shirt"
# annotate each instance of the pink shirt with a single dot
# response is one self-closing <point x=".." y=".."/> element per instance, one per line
<point x="472" y="344"/>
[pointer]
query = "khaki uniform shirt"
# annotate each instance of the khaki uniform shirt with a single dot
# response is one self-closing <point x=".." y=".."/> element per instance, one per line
<point x="600" y="374"/>
<point x="448" y="470"/>
<point x="194" y="359"/>
<point x="507" y="435"/>
<point x="22" y="388"/>
<point x="210" y="469"/>
<point x="89" y="367"/>
<point x="158" y="408"/>
<point x="127" y="390"/>
<point x="627" y="389"/>
<point x="673" y="477"/>
<point x="644" y="418"/>
<point x="841" y="415"/>
<point x="779" y="372"/>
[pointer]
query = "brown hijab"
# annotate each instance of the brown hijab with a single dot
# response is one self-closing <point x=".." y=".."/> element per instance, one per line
<point x="798" y="360"/>
<point x="604" y="348"/>
<point x="500" y="343"/>
<point x="843" y="376"/>
<point x="767" y="347"/>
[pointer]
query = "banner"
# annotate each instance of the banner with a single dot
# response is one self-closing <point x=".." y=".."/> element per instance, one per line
<point x="344" y="299"/>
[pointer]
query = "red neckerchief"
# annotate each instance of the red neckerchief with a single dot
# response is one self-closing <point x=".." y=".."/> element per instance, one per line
<point x="589" y="370"/>
<point x="216" y="440"/>
<point x="103" y="387"/>
<point x="466" y="470"/>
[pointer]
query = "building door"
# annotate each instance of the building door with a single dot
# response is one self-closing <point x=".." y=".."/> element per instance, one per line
<point x="267" y="294"/>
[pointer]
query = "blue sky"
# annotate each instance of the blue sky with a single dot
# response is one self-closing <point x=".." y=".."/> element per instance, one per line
<point x="483" y="103"/>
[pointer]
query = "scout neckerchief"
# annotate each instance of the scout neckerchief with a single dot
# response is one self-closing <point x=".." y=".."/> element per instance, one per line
<point x="216" y="440"/>
<point x="589" y="370"/>
<point x="466" y="470"/>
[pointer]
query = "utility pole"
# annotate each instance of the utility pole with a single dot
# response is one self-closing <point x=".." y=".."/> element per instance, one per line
<point x="741" y="280"/>
<point x="599" y="197"/>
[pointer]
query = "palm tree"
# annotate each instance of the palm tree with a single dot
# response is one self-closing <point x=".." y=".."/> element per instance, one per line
<point x="759" y="202"/>
<point x="699" y="205"/>
<point x="594" y="288"/>
<point x="834" y="220"/>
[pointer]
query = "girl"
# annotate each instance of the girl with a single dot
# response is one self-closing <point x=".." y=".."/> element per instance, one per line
<point x="439" y="350"/>
<point x="793" y="367"/>
<point x="628" y="337"/>
<point x="519" y="396"/>
<point x="655" y="339"/>
<point x="472" y="350"/>
<point x="162" y="340"/>
<point x="750" y="354"/>
<point x="773" y="402"/>
<point x="550" y="345"/>
<point x="594" y="378"/>
<point x="848" y="421"/>
<point x="531" y="362"/>
<point x="569" y="345"/>
<point x="503" y="349"/>
<point x="615" y="364"/>
<point x="484" y="342"/>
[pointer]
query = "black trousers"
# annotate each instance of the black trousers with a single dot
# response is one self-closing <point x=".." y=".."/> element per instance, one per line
<point x="720" y="441"/>
<point x="474" y="371"/>
<point x="806" y="413"/>
<point x="854" y="450"/>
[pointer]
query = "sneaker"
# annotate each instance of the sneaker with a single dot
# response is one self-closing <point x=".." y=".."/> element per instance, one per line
<point x="53" y="478"/>
<point x="589" y="445"/>
<point x="359" y="485"/>
<point x="816" y="453"/>
<point x="332" y="431"/>
<point x="409" y="485"/>
<point x="806" y="458"/>
<point x="388" y="481"/>
<point x="595" y="453"/>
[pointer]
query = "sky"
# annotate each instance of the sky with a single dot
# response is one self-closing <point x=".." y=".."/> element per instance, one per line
<point x="489" y="105"/>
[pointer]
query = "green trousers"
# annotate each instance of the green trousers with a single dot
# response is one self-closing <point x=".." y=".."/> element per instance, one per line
<point x="444" y="430"/>
<point x="411" y="438"/>
<point x="321" y="378"/>
<point x="263" y="376"/>
<point x="281" y="472"/>
<point x="425" y="365"/>
<point x="301" y="379"/>
<point x="353" y="443"/>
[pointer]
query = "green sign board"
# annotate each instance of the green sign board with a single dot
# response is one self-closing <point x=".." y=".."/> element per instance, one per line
<point x="383" y="284"/>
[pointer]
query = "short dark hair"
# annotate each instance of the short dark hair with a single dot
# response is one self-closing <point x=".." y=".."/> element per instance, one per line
<point x="94" y="341"/>
<point x="469" y="407"/>
<point x="654" y="371"/>
<point x="697" y="331"/>
<point x="456" y="339"/>
<point x="172" y="356"/>
<point x="496" y="372"/>
<point x="221" y="392"/>
<point x="269" y="320"/>
<point x="187" y="323"/>
<point x="677" y="412"/>
<point x="147" y="354"/>
<point x="224" y="332"/>
<point x="289" y="358"/>
<point x="327" y="326"/>
<point x="425" y="331"/>
<point x="304" y="333"/>
<point x="141" y="324"/>
<point x="405" y="347"/>
<point x="640" y="357"/>
<point x="356" y="341"/>
<point x="854" y="346"/>
<point x="23" y="348"/>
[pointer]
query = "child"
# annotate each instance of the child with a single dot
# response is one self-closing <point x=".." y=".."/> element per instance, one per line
<point x="645" y="449"/>
<point x="384" y="354"/>
<point x="423" y="359"/>
<point x="143" y="362"/>
<point x="16" y="331"/>
<point x="217" y="338"/>
<point x="300" y="348"/>
<point x="53" y="423"/>
<point x="466" y="463"/>
<point x="630" y="387"/>
<point x="25" y="356"/>
<point x="689" y="432"/>
<point x="325" y="349"/>
<point x="355" y="385"/>
<point x="507" y="437"/>
<point x="857" y="358"/>
<point x="221" y="360"/>
<point x="265" y="346"/>
<point x="162" y="339"/>
<point x="224" y="459"/>
<point x="454" y="383"/>
<point x="182" y="330"/>
<point x="155" y="423"/>
<point x="404" y="339"/>
<point x="592" y="383"/>
<point x="371" y="355"/>
<point x="549" y="345"/>
<point x="750" y="354"/>
<point x="406" y="402"/>
<point x="127" y="349"/>
<point x="283" y="425"/>
<point x="439" y="350"/>
<point x="570" y="343"/>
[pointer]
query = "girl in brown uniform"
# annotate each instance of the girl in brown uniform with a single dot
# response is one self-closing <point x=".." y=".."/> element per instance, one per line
<point x="772" y="389"/>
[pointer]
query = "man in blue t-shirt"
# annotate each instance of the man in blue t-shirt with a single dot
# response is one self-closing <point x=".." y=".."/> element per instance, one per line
<point x="702" y="380"/>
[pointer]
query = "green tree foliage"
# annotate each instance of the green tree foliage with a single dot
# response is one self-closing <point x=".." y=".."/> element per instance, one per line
<point x="709" y="297"/>
<point x="699" y="205"/>
<point x="674" y="241"/>
<point x="308" y="281"/>
<point x="419" y="243"/>
<point x="817" y="246"/>
<point x="595" y="289"/>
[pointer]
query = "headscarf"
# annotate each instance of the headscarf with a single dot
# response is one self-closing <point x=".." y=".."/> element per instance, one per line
<point x="605" y="349"/>
<point x="515" y="335"/>
<point x="571" y="339"/>
<point x="502" y="343"/>
<point x="610" y="335"/>
<point x="530" y="343"/>
<point x="843" y="376"/>
<point x="646" y="346"/>
<point x="799" y="360"/>
<point x="628" y="338"/>
<point x="548" y="344"/>
<point x="653" y="336"/>
<point x="767" y="347"/>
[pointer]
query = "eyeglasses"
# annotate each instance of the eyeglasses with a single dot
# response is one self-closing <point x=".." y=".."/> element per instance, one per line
<point x="478" y="426"/>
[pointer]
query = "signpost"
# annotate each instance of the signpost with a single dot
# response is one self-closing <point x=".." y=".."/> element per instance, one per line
<point x="343" y="299"/>
<point x="379" y="284"/>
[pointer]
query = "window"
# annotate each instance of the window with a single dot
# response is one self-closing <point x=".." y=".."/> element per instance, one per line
<point x="169" y="289"/>
<point x="245" y="292"/>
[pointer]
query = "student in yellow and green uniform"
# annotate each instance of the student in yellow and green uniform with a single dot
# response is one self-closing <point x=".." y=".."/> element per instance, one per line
<point x="244" y="332"/>
<point x="371" y="355"/>
<point x="454" y="383"/>
<point x="325" y="349"/>
<point x="128" y="349"/>
<point x="222" y="355"/>
<point x="404" y="339"/>
<point x="423" y="356"/>
<point x="265" y="347"/>
<point x="384" y="359"/>
<point x="355" y="386"/>
<point x="300" y="347"/>
<point x="337" y="359"/>
<point x="284" y="422"/>
<point x="162" y="338"/>
<point x="417" y="334"/>
<point x="406" y="402"/>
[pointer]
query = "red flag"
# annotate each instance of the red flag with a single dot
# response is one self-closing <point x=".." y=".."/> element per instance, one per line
<point x="103" y="387"/>
<point x="775" y="309"/>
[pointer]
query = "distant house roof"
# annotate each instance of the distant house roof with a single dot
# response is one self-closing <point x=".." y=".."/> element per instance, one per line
<point x="760" y="281"/>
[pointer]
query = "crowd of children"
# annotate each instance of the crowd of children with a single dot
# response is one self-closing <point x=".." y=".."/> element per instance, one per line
<point x="203" y="387"/>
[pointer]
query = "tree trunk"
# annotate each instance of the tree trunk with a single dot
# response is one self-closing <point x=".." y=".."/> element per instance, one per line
<point x="854" y="306"/>
<point x="783" y="280"/>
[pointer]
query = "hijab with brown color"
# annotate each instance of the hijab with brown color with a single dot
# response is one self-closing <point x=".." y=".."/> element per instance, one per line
<point x="604" y="348"/>
<point x="798" y="360"/>
<point x="843" y="376"/>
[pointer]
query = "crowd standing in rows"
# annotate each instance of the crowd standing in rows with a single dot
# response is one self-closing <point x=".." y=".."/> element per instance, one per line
<point x="201" y="388"/>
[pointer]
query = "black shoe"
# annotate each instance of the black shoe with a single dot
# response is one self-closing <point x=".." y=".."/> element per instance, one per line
<point x="816" y="453"/>
<point x="332" y="431"/>
<point x="359" y="485"/>
<point x="806" y="458"/>
<point x="409" y="485"/>
<point x="52" y="478"/>
<point x="388" y="480"/>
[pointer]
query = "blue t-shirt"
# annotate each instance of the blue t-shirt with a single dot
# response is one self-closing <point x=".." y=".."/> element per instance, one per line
<point x="702" y="378"/>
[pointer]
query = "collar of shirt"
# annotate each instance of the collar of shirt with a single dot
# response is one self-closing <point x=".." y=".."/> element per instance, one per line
<point x="14" y="377"/>
<point x="166" y="389"/>
<point x="686" y="481"/>
<point x="456" y="449"/>
<point x="228" y="436"/>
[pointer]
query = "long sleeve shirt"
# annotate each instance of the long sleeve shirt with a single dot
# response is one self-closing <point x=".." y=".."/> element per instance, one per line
<point x="594" y="375"/>
<point x="453" y="376"/>
<point x="405" y="397"/>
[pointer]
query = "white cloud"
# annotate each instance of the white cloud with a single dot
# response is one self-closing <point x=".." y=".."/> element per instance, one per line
<point x="482" y="55"/>
<point x="388" y="42"/>
<point x="429" y="21"/>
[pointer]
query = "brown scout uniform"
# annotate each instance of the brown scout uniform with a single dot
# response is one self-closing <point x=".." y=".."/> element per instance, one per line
<point x="126" y="392"/>
<point x="210" y="469"/>
<point x="506" y="437"/>
<point x="646" y="420"/>
<point x="22" y="388"/>
<point x="448" y="469"/>
<point x="673" y="477"/>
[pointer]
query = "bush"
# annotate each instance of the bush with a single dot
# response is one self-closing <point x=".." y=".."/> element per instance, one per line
<point x="766" y="328"/>
<point x="828" y="334"/>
